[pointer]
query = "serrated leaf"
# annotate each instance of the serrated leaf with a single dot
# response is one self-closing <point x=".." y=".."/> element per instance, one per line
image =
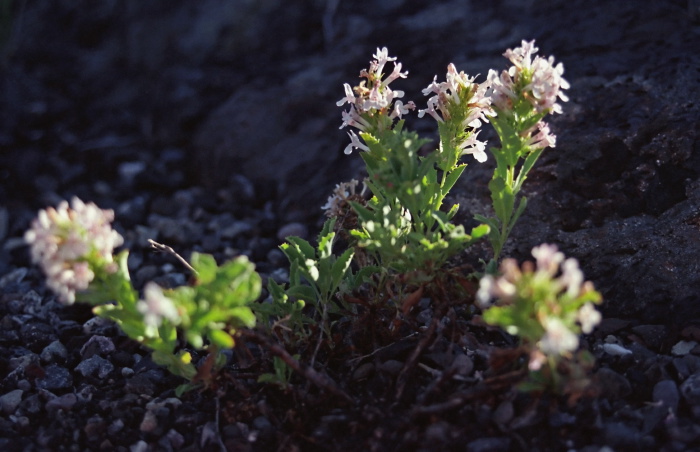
<point x="307" y="251"/>
<point x="340" y="267"/>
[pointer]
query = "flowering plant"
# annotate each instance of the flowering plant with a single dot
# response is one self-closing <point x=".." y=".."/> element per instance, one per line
<point x="547" y="305"/>
<point x="74" y="246"/>
<point x="403" y="225"/>
<point x="520" y="99"/>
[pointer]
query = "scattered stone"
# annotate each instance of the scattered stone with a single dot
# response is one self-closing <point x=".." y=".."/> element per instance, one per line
<point x="56" y="378"/>
<point x="666" y="393"/>
<point x="489" y="444"/>
<point x="612" y="384"/>
<point x="463" y="365"/>
<point x="690" y="389"/>
<point x="95" y="366"/>
<point x="616" y="350"/>
<point x="97" y="345"/>
<point x="391" y="367"/>
<point x="683" y="348"/>
<point x="293" y="229"/>
<point x="653" y="335"/>
<point x="55" y="352"/>
<point x="149" y="422"/>
<point x="64" y="402"/>
<point x="10" y="401"/>
<point x="363" y="371"/>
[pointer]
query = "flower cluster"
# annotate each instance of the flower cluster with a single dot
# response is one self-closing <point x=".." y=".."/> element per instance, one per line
<point x="460" y="100"/>
<point x="538" y="80"/>
<point x="67" y="240"/>
<point x="342" y="193"/>
<point x="531" y="85"/>
<point x="371" y="101"/>
<point x="547" y="303"/>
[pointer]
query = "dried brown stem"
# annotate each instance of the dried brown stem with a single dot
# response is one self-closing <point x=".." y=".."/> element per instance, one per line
<point x="320" y="379"/>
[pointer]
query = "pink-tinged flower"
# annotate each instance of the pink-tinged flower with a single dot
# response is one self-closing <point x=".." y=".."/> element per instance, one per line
<point x="557" y="339"/>
<point x="547" y="84"/>
<point x="536" y="79"/>
<point x="459" y="100"/>
<point x="373" y="105"/>
<point x="63" y="240"/>
<point x="401" y="109"/>
<point x="354" y="143"/>
<point x="521" y="57"/>
<point x="381" y="58"/>
<point x="156" y="306"/>
<point x="589" y="317"/>
<point x="474" y="147"/>
<point x="543" y="138"/>
<point x="349" y="96"/>
<point x="501" y="90"/>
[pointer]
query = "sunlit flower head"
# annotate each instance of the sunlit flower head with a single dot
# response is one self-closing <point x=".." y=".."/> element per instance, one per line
<point x="373" y="105"/>
<point x="156" y="306"/>
<point x="538" y="80"/>
<point x="462" y="102"/>
<point x="63" y="240"/>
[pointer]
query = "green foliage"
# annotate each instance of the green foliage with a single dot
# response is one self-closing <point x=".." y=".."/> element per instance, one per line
<point x="282" y="373"/>
<point x="403" y="225"/>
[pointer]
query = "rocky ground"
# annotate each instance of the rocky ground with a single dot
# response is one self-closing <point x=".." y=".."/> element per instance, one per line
<point x="211" y="126"/>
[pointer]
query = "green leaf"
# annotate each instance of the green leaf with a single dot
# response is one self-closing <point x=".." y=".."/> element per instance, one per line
<point x="480" y="231"/>
<point x="340" y="267"/>
<point x="205" y="266"/>
<point x="303" y="246"/>
<point x="221" y="339"/>
<point x="302" y="292"/>
<point x="452" y="177"/>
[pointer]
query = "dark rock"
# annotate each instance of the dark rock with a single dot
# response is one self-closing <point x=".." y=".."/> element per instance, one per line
<point x="489" y="444"/>
<point x="666" y="393"/>
<point x="612" y="384"/>
<point x="95" y="366"/>
<point x="690" y="389"/>
<point x="97" y="345"/>
<point x="10" y="401"/>
<point x="56" y="378"/>
<point x="36" y="335"/>
<point x="653" y="335"/>
<point x="55" y="352"/>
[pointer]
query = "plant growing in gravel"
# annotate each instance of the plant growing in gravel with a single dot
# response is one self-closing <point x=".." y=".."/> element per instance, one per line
<point x="547" y="305"/>
<point x="403" y="225"/>
<point x="520" y="99"/>
<point x="74" y="246"/>
<point x="315" y="275"/>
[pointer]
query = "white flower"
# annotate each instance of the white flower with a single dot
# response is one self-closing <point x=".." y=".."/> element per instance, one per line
<point x="543" y="138"/>
<point x="371" y="101"/>
<point x="156" y="307"/>
<point x="547" y="258"/>
<point x="474" y="147"/>
<point x="63" y="239"/>
<point x="354" y="143"/>
<point x="589" y="317"/>
<point x="558" y="339"/>
<point x="342" y="192"/>
<point x="544" y="81"/>
<point x="571" y="277"/>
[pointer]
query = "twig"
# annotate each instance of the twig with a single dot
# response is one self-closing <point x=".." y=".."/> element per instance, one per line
<point x="321" y="380"/>
<point x="166" y="249"/>
<point x="411" y="361"/>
